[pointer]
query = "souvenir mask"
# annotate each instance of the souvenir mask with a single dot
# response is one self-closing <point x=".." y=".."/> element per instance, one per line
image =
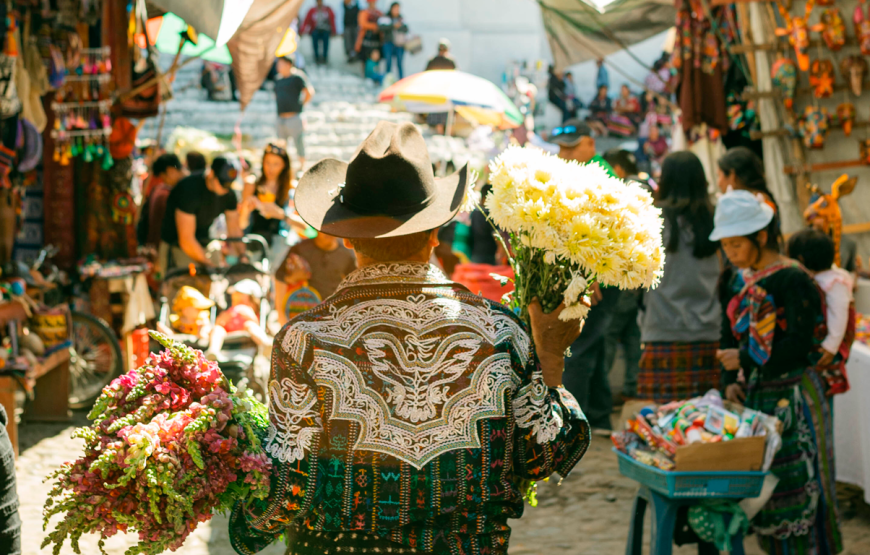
<point x="825" y="210"/>
<point x="854" y="70"/>
<point x="814" y="127"/>
<point x="846" y="116"/>
<point x="864" y="148"/>
<point x="862" y="28"/>
<point x="834" y="33"/>
<point x="822" y="78"/>
<point x="797" y="32"/>
<point x="784" y="75"/>
<point x="123" y="209"/>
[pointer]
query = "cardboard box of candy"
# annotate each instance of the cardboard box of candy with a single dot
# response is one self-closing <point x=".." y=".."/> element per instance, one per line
<point x="702" y="434"/>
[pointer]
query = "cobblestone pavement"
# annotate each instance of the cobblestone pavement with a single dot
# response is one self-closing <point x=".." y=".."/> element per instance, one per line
<point x="587" y="514"/>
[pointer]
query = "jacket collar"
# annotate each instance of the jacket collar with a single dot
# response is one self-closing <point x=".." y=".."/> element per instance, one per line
<point x="404" y="273"/>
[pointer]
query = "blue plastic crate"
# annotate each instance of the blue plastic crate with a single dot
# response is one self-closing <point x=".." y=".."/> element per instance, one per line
<point x="692" y="485"/>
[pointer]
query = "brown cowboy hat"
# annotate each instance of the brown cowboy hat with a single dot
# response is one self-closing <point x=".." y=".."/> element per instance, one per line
<point x="387" y="190"/>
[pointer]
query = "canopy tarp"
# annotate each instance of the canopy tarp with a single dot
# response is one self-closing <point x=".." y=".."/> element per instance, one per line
<point x="579" y="31"/>
<point x="254" y="44"/>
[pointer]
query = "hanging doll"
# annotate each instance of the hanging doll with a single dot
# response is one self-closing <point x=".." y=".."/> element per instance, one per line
<point x="846" y="117"/>
<point x="862" y="28"/>
<point x="797" y="30"/>
<point x="824" y="213"/>
<point x="784" y="75"/>
<point x="854" y="70"/>
<point x="822" y="78"/>
<point x="834" y="33"/>
<point x="814" y="127"/>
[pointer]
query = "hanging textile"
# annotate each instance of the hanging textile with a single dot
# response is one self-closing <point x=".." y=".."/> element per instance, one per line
<point x="701" y="61"/>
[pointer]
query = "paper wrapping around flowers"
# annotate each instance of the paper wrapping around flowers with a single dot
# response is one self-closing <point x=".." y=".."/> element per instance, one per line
<point x="609" y="228"/>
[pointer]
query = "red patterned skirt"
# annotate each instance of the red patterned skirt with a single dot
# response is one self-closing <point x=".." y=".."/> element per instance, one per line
<point x="677" y="371"/>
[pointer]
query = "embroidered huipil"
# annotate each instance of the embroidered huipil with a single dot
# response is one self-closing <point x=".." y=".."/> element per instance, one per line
<point x="404" y="412"/>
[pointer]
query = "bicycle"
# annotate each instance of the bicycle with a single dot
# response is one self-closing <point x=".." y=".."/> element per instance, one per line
<point x="95" y="352"/>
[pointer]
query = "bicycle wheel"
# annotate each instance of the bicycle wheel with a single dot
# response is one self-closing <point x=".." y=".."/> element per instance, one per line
<point x="95" y="361"/>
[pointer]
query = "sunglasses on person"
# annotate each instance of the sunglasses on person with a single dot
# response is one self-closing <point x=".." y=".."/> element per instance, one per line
<point x="275" y="149"/>
<point x="567" y="130"/>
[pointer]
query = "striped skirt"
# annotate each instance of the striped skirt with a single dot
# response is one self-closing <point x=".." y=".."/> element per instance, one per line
<point x="801" y="516"/>
<point x="677" y="371"/>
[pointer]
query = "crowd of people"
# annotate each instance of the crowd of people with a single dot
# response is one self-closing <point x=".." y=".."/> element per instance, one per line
<point x="376" y="39"/>
<point x="645" y="116"/>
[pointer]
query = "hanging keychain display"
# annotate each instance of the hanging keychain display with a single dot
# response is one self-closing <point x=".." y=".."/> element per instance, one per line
<point x="82" y="122"/>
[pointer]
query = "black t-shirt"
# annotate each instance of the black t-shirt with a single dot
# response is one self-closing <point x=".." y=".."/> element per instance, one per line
<point x="192" y="196"/>
<point x="441" y="62"/>
<point x="351" y="15"/>
<point x="288" y="92"/>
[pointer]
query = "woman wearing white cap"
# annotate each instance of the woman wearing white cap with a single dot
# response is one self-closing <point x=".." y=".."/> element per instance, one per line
<point x="771" y="332"/>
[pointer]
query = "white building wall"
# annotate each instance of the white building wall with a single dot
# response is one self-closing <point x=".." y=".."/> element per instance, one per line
<point x="486" y="34"/>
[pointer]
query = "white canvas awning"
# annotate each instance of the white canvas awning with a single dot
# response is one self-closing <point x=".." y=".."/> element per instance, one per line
<point x="579" y="31"/>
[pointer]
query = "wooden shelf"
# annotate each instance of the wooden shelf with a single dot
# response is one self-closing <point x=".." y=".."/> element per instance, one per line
<point x="781" y="45"/>
<point x="12" y="311"/>
<point x="51" y="362"/>
<point x="756" y="135"/>
<point x="811" y="168"/>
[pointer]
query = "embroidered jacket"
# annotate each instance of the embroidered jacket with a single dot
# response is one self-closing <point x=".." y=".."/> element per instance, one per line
<point x="406" y="409"/>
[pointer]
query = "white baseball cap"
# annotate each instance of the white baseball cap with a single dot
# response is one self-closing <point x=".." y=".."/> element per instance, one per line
<point x="740" y="213"/>
<point x="247" y="287"/>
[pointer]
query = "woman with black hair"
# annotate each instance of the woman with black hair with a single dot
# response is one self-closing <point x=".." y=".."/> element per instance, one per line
<point x="771" y="334"/>
<point x="741" y="169"/>
<point x="681" y="319"/>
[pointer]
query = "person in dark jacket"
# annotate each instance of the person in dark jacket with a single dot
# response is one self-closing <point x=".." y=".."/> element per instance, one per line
<point x="351" y="28"/>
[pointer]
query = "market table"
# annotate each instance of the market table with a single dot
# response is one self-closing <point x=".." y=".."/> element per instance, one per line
<point x="852" y="423"/>
<point x="51" y="390"/>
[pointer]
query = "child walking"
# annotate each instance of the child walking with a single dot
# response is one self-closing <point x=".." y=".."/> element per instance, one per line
<point x="815" y="250"/>
<point x="773" y="318"/>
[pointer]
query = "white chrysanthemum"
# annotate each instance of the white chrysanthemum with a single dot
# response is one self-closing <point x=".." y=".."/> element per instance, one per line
<point x="575" y="289"/>
<point x="574" y="312"/>
<point x="580" y="214"/>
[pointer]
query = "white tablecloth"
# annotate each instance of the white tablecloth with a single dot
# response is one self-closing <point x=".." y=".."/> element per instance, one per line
<point x="852" y="423"/>
<point x="862" y="296"/>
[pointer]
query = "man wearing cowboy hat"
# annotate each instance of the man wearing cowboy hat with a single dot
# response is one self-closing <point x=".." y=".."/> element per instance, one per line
<point x="405" y="410"/>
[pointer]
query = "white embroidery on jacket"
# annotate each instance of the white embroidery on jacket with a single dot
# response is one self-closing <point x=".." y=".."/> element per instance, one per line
<point x="291" y="403"/>
<point x="532" y="409"/>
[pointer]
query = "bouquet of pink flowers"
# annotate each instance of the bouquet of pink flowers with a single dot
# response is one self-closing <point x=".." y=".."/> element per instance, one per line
<point x="171" y="444"/>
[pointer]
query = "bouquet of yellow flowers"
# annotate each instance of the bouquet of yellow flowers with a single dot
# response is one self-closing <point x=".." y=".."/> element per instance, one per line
<point x="570" y="226"/>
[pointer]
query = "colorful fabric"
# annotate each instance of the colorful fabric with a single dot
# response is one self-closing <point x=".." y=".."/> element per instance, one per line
<point x="752" y="312"/>
<point x="406" y="409"/>
<point x="676" y="371"/>
<point x="801" y="516"/>
<point x="235" y="318"/>
<point x="707" y="519"/>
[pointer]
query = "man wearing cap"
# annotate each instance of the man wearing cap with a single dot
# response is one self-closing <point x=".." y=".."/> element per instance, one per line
<point x="576" y="142"/>
<point x="405" y="410"/>
<point x="193" y="206"/>
<point x="586" y="373"/>
<point x="443" y="60"/>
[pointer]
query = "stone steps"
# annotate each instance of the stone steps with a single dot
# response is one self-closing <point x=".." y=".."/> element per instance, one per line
<point x="341" y="115"/>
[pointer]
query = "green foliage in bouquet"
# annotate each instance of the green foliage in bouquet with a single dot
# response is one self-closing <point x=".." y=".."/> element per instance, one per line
<point x="171" y="444"/>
